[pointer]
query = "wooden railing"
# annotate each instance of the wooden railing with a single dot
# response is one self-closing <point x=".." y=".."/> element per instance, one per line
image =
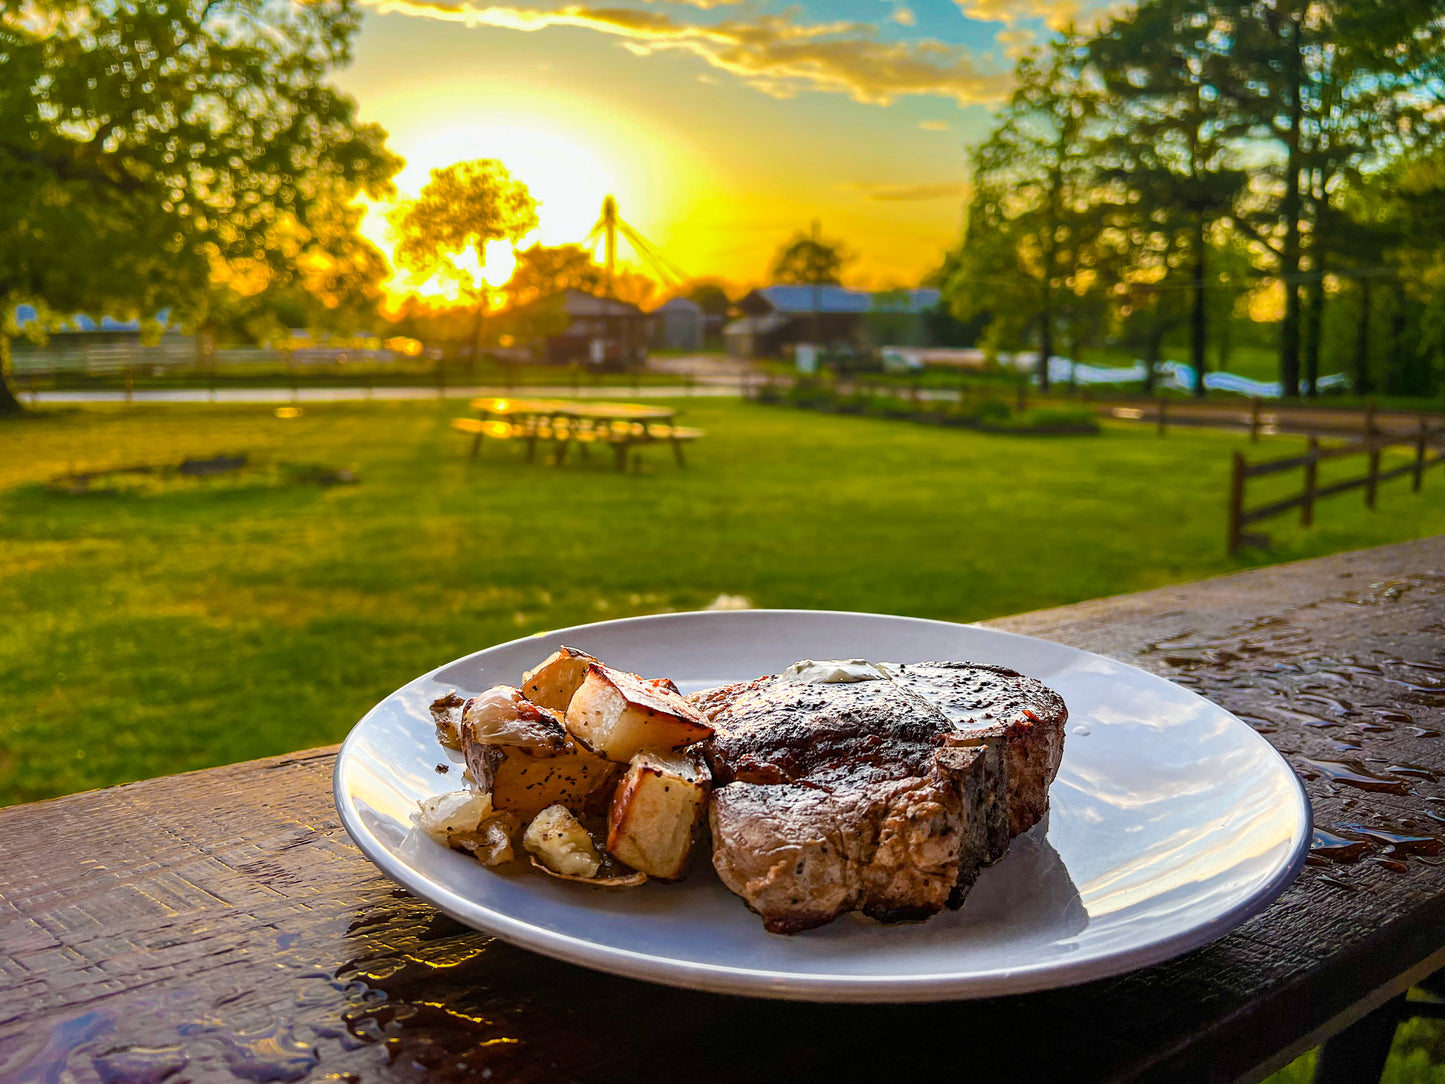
<point x="1371" y="446"/>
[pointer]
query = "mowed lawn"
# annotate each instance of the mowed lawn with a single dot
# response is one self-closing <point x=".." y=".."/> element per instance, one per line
<point x="180" y="623"/>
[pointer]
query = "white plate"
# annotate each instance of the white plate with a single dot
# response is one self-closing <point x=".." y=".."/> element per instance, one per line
<point x="1171" y="823"/>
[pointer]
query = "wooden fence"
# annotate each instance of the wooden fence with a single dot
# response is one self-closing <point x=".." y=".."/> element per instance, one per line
<point x="1423" y="440"/>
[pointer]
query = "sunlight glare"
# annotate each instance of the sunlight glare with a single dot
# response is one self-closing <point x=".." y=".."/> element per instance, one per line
<point x="567" y="173"/>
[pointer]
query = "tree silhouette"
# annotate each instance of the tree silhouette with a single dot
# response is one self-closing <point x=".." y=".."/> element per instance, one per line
<point x="542" y="271"/>
<point x="461" y="209"/>
<point x="810" y="259"/>
<point x="152" y="151"/>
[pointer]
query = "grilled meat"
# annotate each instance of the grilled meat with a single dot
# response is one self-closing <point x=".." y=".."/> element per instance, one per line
<point x="880" y="796"/>
<point x="980" y="699"/>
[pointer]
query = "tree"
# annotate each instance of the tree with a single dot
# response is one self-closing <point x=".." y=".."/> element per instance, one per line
<point x="1335" y="84"/>
<point x="155" y="151"/>
<point x="709" y="296"/>
<point x="461" y="209"/>
<point x="1028" y="249"/>
<point x="543" y="271"/>
<point x="1170" y="142"/>
<point x="810" y="259"/>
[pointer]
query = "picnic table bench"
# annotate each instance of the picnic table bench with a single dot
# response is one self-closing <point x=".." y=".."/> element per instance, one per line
<point x="221" y="925"/>
<point x="618" y="426"/>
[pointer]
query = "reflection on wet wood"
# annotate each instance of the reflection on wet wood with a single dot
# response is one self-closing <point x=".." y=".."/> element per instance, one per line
<point x="220" y="925"/>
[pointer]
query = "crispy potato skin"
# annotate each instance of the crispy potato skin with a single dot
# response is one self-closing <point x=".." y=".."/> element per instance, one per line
<point x="618" y="715"/>
<point x="654" y="815"/>
<point x="552" y="683"/>
<point x="526" y="785"/>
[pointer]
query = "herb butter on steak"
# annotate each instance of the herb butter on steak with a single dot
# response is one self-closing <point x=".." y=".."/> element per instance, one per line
<point x="875" y="789"/>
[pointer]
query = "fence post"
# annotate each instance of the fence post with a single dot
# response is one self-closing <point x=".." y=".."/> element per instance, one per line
<point x="129" y="385"/>
<point x="1419" y="473"/>
<point x="441" y="379"/>
<point x="1163" y="411"/>
<point x="1023" y="403"/>
<point x="34" y="388"/>
<point x="1307" y="509"/>
<point x="1254" y="421"/>
<point x="1236" y="503"/>
<point x="1370" y="419"/>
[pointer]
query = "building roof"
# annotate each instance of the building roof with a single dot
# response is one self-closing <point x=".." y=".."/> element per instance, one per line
<point x="581" y="303"/>
<point x="26" y="315"/>
<point x="795" y="300"/>
<point x="755" y="325"/>
<point x="680" y="304"/>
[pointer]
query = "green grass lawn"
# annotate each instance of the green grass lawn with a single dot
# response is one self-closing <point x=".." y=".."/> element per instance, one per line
<point x="169" y="624"/>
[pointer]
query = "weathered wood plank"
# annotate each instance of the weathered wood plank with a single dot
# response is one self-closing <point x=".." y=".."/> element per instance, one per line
<point x="220" y="925"/>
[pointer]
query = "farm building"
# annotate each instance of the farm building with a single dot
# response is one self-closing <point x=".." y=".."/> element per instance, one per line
<point x="99" y="345"/>
<point x="678" y="325"/>
<point x="777" y="317"/>
<point x="577" y="327"/>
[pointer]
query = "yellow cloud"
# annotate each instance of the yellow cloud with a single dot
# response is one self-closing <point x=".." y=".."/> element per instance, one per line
<point x="768" y="52"/>
<point x="1057" y="14"/>
<point x="903" y="15"/>
<point x="1017" y="41"/>
<point x="934" y="125"/>
<point x="901" y="192"/>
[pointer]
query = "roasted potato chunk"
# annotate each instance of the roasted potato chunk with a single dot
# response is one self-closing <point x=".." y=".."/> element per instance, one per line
<point x="577" y="779"/>
<point x="466" y="821"/>
<point x="655" y="811"/>
<point x="561" y="674"/>
<point x="618" y="715"/>
<point x="524" y="758"/>
<point x="561" y="843"/>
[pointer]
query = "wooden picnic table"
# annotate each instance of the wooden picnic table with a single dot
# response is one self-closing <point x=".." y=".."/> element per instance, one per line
<point x="220" y="924"/>
<point x="564" y="422"/>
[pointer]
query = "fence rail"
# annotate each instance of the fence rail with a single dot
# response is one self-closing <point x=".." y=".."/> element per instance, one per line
<point x="1425" y="441"/>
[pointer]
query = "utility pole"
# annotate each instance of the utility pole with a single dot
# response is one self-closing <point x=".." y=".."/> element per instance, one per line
<point x="609" y="227"/>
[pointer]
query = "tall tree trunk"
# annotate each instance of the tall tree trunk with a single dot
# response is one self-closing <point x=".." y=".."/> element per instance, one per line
<point x="1397" y="364"/>
<point x="1314" y="331"/>
<point x="1046" y="335"/>
<point x="1289" y="337"/>
<point x="474" y="355"/>
<point x="1153" y="347"/>
<point x="1198" y="326"/>
<point x="9" y="402"/>
<point x="1315" y="316"/>
<point x="1363" y="384"/>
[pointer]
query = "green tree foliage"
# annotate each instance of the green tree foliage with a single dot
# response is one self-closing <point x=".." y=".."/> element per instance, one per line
<point x="810" y="259"/>
<point x="1029" y="250"/>
<point x="178" y="152"/>
<point x="1169" y="145"/>
<point x="1195" y="150"/>
<point x="542" y="271"/>
<point x="463" y="208"/>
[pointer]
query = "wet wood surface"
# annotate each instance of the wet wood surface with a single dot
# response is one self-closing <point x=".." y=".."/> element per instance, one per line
<point x="220" y="925"/>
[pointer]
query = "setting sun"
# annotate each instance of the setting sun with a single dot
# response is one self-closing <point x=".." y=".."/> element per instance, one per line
<point x="569" y="159"/>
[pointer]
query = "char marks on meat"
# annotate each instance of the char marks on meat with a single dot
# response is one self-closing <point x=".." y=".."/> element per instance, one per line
<point x="879" y="796"/>
<point x="835" y="798"/>
<point x="979" y="699"/>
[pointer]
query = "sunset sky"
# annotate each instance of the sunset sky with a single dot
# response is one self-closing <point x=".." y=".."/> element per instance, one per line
<point x="721" y="127"/>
